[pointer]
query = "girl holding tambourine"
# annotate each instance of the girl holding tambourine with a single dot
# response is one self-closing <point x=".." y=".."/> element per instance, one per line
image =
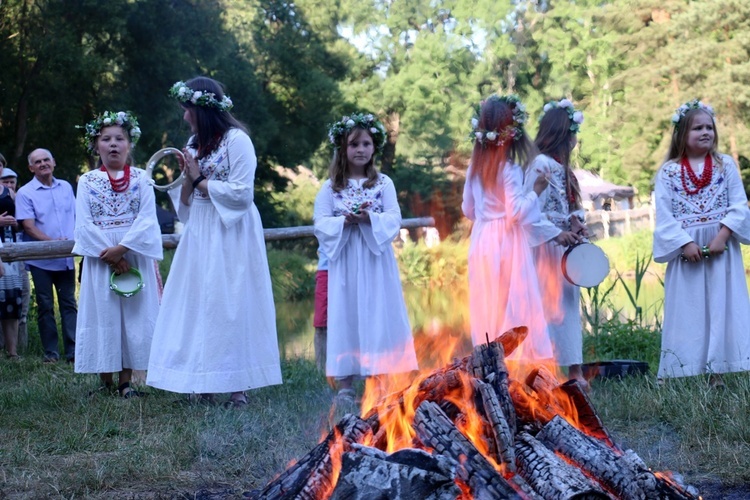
<point x="701" y="219"/>
<point x="560" y="226"/>
<point x="118" y="233"/>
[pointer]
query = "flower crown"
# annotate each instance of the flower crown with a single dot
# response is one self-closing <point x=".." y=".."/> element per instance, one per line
<point x="358" y="120"/>
<point x="513" y="131"/>
<point x="679" y="114"/>
<point x="575" y="117"/>
<point x="183" y="93"/>
<point x="124" y="119"/>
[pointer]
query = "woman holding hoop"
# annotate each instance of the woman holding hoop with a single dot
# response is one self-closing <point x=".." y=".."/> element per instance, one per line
<point x="216" y="331"/>
<point x="118" y="233"/>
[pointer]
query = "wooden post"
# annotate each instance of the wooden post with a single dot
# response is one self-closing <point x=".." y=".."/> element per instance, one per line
<point x="31" y="250"/>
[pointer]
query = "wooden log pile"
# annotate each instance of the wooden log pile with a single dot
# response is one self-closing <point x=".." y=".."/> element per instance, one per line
<point x="530" y="439"/>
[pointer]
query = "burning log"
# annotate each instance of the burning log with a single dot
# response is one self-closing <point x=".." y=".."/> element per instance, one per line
<point x="368" y="473"/>
<point x="626" y="475"/>
<point x="312" y="477"/>
<point x="503" y="437"/>
<point x="436" y="431"/>
<point x="486" y="362"/>
<point x="550" y="476"/>
<point x="587" y="416"/>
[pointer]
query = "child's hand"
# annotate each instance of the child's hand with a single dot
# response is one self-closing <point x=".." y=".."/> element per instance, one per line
<point x="578" y="227"/>
<point x="717" y="246"/>
<point x="541" y="182"/>
<point x="567" y="238"/>
<point x="121" y="267"/>
<point x="113" y="255"/>
<point x="363" y="217"/>
<point x="691" y="252"/>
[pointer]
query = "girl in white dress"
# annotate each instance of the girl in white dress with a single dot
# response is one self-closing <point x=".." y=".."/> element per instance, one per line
<point x="503" y="287"/>
<point x="116" y="229"/>
<point x="216" y="331"/>
<point x="561" y="225"/>
<point x="701" y="219"/>
<point x="356" y="219"/>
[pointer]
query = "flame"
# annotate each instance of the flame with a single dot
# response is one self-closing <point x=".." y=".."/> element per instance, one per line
<point x="337" y="453"/>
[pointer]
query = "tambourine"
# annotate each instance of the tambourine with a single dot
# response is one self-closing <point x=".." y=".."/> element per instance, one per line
<point x="154" y="160"/>
<point x="585" y="265"/>
<point x="126" y="284"/>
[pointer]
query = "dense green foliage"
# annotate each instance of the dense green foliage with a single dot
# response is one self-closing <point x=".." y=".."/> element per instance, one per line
<point x="420" y="65"/>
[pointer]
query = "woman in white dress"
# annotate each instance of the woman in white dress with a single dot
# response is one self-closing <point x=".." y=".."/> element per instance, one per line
<point x="701" y="219"/>
<point x="116" y="229"/>
<point x="356" y="219"/>
<point x="561" y="225"/>
<point x="503" y="287"/>
<point x="216" y="331"/>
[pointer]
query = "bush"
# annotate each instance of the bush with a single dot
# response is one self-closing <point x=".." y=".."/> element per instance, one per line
<point x="292" y="275"/>
<point x="623" y="340"/>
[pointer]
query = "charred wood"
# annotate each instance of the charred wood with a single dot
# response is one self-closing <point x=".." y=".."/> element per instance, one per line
<point x="436" y="431"/>
<point x="312" y="477"/>
<point x="587" y="416"/>
<point x="487" y="363"/>
<point x="503" y="437"/>
<point x="370" y="474"/>
<point x="551" y="476"/>
<point x="624" y="474"/>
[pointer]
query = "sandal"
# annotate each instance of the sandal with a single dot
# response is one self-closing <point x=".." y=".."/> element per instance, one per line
<point x="127" y="392"/>
<point x="236" y="401"/>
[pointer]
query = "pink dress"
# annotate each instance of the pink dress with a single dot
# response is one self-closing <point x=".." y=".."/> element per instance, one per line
<point x="503" y="286"/>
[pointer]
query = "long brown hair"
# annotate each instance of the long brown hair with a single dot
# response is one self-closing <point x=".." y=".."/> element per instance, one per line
<point x="555" y="139"/>
<point x="338" y="171"/>
<point x="678" y="145"/>
<point x="211" y="123"/>
<point x="489" y="157"/>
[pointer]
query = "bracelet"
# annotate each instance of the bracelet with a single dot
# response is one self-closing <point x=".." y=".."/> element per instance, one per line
<point x="198" y="180"/>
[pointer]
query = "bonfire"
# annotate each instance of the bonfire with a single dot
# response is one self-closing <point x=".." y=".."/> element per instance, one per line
<point x="473" y="429"/>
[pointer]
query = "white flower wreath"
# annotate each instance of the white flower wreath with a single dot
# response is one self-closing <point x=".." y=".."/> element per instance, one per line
<point x="124" y="119"/>
<point x="679" y="114"/>
<point x="365" y="121"/>
<point x="513" y="131"/>
<point x="576" y="117"/>
<point x="183" y="93"/>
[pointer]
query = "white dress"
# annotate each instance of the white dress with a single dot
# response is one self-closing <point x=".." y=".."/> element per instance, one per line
<point x="368" y="327"/>
<point x="503" y="286"/>
<point x="706" y="305"/>
<point x="216" y="330"/>
<point x="114" y="332"/>
<point x="561" y="299"/>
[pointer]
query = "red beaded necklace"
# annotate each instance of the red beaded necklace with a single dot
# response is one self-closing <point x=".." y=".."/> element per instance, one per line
<point x="699" y="183"/>
<point x="121" y="184"/>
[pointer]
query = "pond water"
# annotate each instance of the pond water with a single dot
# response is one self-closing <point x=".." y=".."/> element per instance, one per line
<point x="445" y="311"/>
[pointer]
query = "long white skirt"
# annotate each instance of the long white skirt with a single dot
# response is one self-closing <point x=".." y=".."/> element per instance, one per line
<point x="216" y="330"/>
<point x="562" y="305"/>
<point x="706" y="313"/>
<point x="115" y="332"/>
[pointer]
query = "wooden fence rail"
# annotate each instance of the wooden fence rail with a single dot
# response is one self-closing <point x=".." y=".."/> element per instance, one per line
<point x="31" y="250"/>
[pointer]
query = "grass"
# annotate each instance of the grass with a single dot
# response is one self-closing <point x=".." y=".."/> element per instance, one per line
<point x="57" y="441"/>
